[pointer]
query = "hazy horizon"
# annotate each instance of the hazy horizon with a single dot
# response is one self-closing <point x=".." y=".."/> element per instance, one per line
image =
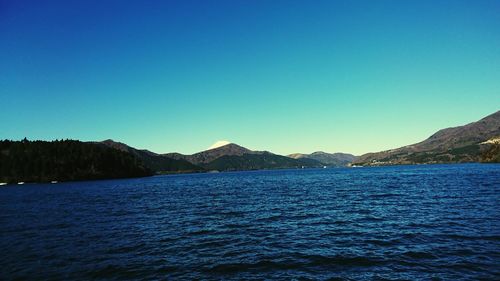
<point x="284" y="76"/>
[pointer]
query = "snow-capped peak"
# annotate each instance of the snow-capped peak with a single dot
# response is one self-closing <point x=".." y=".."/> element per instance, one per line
<point x="219" y="144"/>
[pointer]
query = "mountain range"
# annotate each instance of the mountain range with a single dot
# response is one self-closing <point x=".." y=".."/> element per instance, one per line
<point x="232" y="157"/>
<point x="229" y="157"/>
<point x="474" y="142"/>
<point x="75" y="160"/>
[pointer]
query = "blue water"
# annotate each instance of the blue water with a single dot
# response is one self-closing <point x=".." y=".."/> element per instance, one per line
<point x="406" y="222"/>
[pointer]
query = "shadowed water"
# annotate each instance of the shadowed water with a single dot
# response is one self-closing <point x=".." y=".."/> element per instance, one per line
<point x="406" y="222"/>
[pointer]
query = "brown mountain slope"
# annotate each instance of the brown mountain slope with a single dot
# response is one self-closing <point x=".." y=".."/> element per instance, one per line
<point x="457" y="144"/>
<point x="472" y="133"/>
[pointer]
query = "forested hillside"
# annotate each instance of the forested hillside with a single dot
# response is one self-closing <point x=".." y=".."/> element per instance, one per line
<point x="65" y="160"/>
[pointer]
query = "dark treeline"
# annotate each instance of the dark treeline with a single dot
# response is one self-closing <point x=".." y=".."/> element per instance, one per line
<point x="65" y="160"/>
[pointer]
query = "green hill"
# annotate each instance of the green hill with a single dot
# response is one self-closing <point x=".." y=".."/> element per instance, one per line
<point x="258" y="161"/>
<point x="328" y="159"/>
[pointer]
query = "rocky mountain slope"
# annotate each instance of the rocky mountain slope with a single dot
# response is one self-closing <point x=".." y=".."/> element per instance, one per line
<point x="451" y="145"/>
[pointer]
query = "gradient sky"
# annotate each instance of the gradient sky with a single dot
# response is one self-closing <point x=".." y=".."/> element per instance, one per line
<point x="285" y="76"/>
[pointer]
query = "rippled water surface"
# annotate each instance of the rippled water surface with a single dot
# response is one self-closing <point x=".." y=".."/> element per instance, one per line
<point x="407" y="222"/>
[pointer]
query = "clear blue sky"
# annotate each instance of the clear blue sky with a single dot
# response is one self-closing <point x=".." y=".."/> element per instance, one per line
<point x="285" y="76"/>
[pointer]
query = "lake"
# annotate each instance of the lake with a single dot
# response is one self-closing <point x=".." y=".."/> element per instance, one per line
<point x="400" y="222"/>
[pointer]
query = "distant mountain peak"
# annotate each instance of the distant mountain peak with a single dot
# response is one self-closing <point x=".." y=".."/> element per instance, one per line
<point x="297" y="155"/>
<point x="319" y="153"/>
<point x="221" y="149"/>
<point x="330" y="159"/>
<point x="116" y="145"/>
<point x="218" y="144"/>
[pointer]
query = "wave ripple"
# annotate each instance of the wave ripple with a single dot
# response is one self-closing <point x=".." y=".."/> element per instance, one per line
<point x="437" y="222"/>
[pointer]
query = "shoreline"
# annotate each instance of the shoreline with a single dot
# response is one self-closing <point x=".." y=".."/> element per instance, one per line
<point x="181" y="173"/>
